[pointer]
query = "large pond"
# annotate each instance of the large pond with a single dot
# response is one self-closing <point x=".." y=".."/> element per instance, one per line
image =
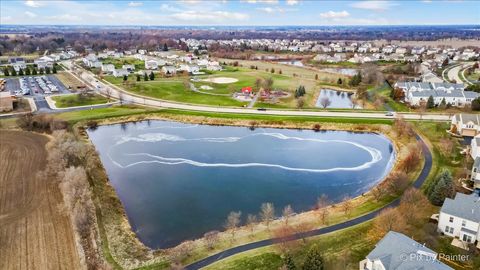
<point x="178" y="181"/>
<point x="335" y="100"/>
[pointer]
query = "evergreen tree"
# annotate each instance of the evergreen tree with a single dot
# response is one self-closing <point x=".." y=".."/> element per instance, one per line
<point x="165" y="47"/>
<point x="20" y="72"/>
<point x="47" y="70"/>
<point x="313" y="260"/>
<point x="6" y="72"/>
<point x="339" y="81"/>
<point x="476" y="104"/>
<point x="430" y="102"/>
<point x="152" y="76"/>
<point x="14" y="72"/>
<point x="27" y="71"/>
<point x="443" y="104"/>
<point x="54" y="70"/>
<point x="125" y="78"/>
<point x="441" y="188"/>
<point x="138" y="78"/>
<point x="145" y="76"/>
<point x="288" y="262"/>
<point x="34" y="71"/>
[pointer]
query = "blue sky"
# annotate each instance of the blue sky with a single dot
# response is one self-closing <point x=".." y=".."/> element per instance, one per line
<point x="241" y="12"/>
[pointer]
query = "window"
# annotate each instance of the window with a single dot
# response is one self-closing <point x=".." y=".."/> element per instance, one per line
<point x="464" y="223"/>
<point x="467" y="238"/>
<point x="451" y="219"/>
<point x="449" y="229"/>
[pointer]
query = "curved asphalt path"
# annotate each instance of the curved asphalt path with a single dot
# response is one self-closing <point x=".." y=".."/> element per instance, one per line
<point x="340" y="226"/>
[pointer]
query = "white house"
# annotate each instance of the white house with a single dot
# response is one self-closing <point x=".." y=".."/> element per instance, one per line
<point x="151" y="64"/>
<point x="44" y="62"/>
<point x="120" y="72"/>
<point x="108" y="68"/>
<point x="130" y="68"/>
<point x="475" y="154"/>
<point x="460" y="217"/>
<point x="189" y="68"/>
<point x="397" y="251"/>
<point x="169" y="70"/>
<point x="466" y="124"/>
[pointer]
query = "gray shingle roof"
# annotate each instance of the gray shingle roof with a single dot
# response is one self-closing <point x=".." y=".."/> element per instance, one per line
<point x="398" y="252"/>
<point x="463" y="206"/>
<point x="466" y="117"/>
<point x="471" y="94"/>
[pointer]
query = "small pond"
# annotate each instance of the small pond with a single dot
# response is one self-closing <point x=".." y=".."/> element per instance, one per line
<point x="336" y="99"/>
<point x="177" y="181"/>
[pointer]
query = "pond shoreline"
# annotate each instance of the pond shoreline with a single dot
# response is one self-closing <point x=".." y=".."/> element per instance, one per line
<point x="384" y="130"/>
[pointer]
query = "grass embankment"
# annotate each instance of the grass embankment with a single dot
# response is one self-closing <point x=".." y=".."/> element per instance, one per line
<point x="74" y="100"/>
<point x="123" y="247"/>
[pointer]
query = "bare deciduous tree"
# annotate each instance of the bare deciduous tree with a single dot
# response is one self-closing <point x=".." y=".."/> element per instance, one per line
<point x="287" y="213"/>
<point x="267" y="213"/>
<point x="347" y="205"/>
<point x="233" y="220"/>
<point x="251" y="221"/>
<point x="211" y="238"/>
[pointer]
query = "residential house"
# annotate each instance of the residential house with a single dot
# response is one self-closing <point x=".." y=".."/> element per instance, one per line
<point x="151" y="64"/>
<point x="17" y="63"/>
<point x="190" y="68"/>
<point x="120" y="72"/>
<point x="44" y="62"/>
<point x="418" y="50"/>
<point x="130" y="68"/>
<point x="460" y="217"/>
<point x="169" y="70"/>
<point x="397" y="251"/>
<point x="466" y="124"/>
<point x="400" y="50"/>
<point x="108" y="68"/>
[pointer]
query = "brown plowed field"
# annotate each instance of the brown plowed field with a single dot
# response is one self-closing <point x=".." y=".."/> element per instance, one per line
<point x="34" y="233"/>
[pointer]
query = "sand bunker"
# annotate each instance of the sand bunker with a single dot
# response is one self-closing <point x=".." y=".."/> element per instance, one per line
<point x="222" y="80"/>
<point x="206" y="87"/>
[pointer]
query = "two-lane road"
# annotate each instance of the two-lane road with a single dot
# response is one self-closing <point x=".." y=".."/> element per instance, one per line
<point x="116" y="92"/>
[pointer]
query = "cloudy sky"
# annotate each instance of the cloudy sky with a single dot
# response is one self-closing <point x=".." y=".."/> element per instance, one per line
<point x="241" y="12"/>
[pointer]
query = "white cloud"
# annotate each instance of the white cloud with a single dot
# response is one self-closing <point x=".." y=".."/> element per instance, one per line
<point x="374" y="5"/>
<point x="30" y="14"/>
<point x="206" y="16"/>
<point x="135" y="4"/>
<point x="33" y="4"/>
<point x="273" y="9"/>
<point x="271" y="2"/>
<point x="292" y="2"/>
<point x="6" y="19"/>
<point x="65" y="17"/>
<point x="334" y="14"/>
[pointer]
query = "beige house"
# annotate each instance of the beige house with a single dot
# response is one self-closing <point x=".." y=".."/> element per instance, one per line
<point x="466" y="124"/>
<point x="6" y="102"/>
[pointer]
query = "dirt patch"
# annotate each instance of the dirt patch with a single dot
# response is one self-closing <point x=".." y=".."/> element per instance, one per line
<point x="221" y="80"/>
<point x="34" y="233"/>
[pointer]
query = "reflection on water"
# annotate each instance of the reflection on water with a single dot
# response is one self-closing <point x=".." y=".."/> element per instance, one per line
<point x="336" y="100"/>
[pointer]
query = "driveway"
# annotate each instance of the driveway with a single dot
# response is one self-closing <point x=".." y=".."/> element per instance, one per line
<point x="340" y="226"/>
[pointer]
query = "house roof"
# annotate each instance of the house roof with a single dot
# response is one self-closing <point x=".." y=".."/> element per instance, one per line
<point x="476" y="163"/>
<point x="471" y="94"/>
<point x="396" y="249"/>
<point x="463" y="206"/>
<point x="466" y="117"/>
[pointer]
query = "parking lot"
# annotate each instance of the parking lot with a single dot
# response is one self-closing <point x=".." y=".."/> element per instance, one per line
<point x="37" y="87"/>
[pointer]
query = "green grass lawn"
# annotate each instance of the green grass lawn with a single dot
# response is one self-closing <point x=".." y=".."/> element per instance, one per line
<point x="65" y="101"/>
<point x="341" y="250"/>
<point x="118" y="63"/>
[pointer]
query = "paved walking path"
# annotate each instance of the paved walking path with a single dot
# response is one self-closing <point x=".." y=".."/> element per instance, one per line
<point x="340" y="226"/>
